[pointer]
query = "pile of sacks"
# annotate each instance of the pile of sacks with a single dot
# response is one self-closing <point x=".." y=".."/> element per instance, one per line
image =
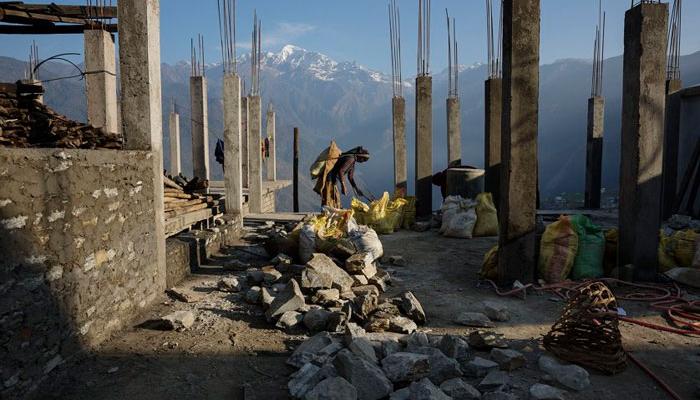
<point x="372" y="366"/>
<point x="466" y="218"/>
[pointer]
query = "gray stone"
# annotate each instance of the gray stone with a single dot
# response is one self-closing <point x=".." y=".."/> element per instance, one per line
<point x="499" y="396"/>
<point x="183" y="295"/>
<point x="266" y="298"/>
<point x="571" y="376"/>
<point x="360" y="280"/>
<point x="495" y="380"/>
<point x="347" y="296"/>
<point x="179" y="320"/>
<point x="458" y="389"/>
<point x="254" y="295"/>
<point x="316" y="320"/>
<point x="303" y="380"/>
<point x="283" y="259"/>
<point x="365" y="290"/>
<point x="229" y="284"/>
<point x="290" y="299"/>
<point x="402" y="325"/>
<point x="381" y="279"/>
<point x="540" y="391"/>
<point x="508" y="359"/>
<point x="337" y="321"/>
<point x="390" y="347"/>
<point x="406" y="367"/>
<point x="377" y="324"/>
<point x="352" y="332"/>
<point x="425" y="390"/>
<point x="271" y="275"/>
<point x="473" y="319"/>
<point x="322" y="264"/>
<point x="364" y="305"/>
<point x="361" y="264"/>
<point x="306" y="351"/>
<point x="479" y="367"/>
<point x="495" y="311"/>
<point x="314" y="280"/>
<point x="326" y="354"/>
<point x="332" y="389"/>
<point x="289" y="320"/>
<point x="416" y="340"/>
<point x="401" y="394"/>
<point x="363" y="347"/>
<point x="368" y="379"/>
<point x="410" y="306"/>
<point x="454" y="347"/>
<point x="325" y="296"/>
<point x="484" y="340"/>
<point x="442" y="367"/>
<point x="255" y="275"/>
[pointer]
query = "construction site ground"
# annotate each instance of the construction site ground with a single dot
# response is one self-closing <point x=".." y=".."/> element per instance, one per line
<point x="231" y="352"/>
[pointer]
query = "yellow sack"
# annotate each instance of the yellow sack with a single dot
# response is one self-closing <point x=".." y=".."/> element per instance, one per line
<point x="489" y="269"/>
<point x="381" y="215"/>
<point x="486" y="216"/>
<point x="332" y="224"/>
<point x="394" y="213"/>
<point x="558" y="249"/>
<point x="361" y="211"/>
<point x="666" y="261"/>
<point x="409" y="212"/>
<point x="683" y="247"/>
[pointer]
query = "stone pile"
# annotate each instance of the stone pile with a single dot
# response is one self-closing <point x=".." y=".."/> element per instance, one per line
<point x="28" y="123"/>
<point x="371" y="366"/>
<point x="324" y="296"/>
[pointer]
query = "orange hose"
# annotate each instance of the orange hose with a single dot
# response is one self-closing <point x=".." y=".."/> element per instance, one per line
<point x="653" y="376"/>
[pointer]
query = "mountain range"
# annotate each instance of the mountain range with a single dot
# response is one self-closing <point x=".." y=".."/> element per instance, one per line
<point x="327" y="99"/>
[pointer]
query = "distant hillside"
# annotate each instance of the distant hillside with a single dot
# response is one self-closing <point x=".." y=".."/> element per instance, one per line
<point x="345" y="101"/>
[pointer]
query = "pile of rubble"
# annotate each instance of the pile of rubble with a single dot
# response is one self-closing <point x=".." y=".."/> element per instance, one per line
<point x="323" y="296"/>
<point x="28" y="123"/>
<point x="372" y="366"/>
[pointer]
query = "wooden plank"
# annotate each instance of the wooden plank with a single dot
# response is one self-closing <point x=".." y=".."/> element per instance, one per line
<point x="277" y="217"/>
<point x="179" y="223"/>
<point x="67" y="10"/>
<point x="7" y="29"/>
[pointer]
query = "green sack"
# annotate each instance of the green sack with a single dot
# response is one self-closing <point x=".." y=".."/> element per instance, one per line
<point x="591" y="248"/>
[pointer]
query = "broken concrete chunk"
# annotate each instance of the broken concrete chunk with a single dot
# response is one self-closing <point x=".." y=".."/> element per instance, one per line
<point x="365" y="290"/>
<point x="454" y="347"/>
<point x="458" y="389"/>
<point x="410" y="306"/>
<point x="426" y="390"/>
<point x="290" y="299"/>
<point x="332" y="389"/>
<point x="271" y="275"/>
<point x="495" y="380"/>
<point x="485" y="340"/>
<point x="539" y="391"/>
<point x="495" y="311"/>
<point x="363" y="348"/>
<point x="400" y="324"/>
<point x="305" y="352"/>
<point x="229" y="284"/>
<point x="406" y="367"/>
<point x="322" y="264"/>
<point x="442" y="367"/>
<point x="182" y="295"/>
<point x="571" y="376"/>
<point x="179" y="320"/>
<point x="473" y="319"/>
<point x="368" y="379"/>
<point x="479" y="367"/>
<point x="266" y="297"/>
<point x="508" y="359"/>
<point x="316" y="320"/>
<point x="289" y="320"/>
<point x="254" y="295"/>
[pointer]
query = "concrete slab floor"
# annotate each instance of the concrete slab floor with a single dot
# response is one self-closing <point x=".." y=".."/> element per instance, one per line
<point x="231" y="345"/>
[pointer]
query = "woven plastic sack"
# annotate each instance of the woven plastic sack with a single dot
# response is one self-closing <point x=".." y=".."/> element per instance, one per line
<point x="461" y="225"/>
<point x="489" y="268"/>
<point x="666" y="260"/>
<point x="591" y="248"/>
<point x="682" y="246"/>
<point x="450" y="207"/>
<point x="558" y="249"/>
<point x="360" y="209"/>
<point x="486" y="216"/>
<point x="610" y="258"/>
<point x="365" y="239"/>
<point x="394" y="213"/>
<point x="409" y="212"/>
<point x="382" y="215"/>
<point x="307" y="243"/>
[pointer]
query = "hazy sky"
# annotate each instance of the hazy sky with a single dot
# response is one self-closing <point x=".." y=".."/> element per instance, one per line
<point x="357" y="30"/>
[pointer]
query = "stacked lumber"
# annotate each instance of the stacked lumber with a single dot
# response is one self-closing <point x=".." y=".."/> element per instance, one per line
<point x="178" y="201"/>
<point x="28" y="123"/>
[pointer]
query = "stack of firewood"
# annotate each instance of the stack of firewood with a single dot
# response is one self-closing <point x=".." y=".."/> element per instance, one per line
<point x="178" y="201"/>
<point x="28" y="123"/>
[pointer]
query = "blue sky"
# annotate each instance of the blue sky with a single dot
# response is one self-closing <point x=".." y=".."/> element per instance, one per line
<point x="356" y="30"/>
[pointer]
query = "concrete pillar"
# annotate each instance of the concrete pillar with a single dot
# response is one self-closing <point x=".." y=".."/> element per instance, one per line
<point x="454" y="133"/>
<point x="254" y="155"/>
<point x="519" y="123"/>
<point x="101" y="81"/>
<point x="174" y="130"/>
<point x="200" y="126"/>
<point x="398" y="110"/>
<point x="424" y="146"/>
<point x="671" y="146"/>
<point x="139" y="66"/>
<point x="244" y="141"/>
<point x="233" y="177"/>
<point x="643" y="102"/>
<point x="493" y="105"/>
<point x="271" y="160"/>
<point x="594" y="151"/>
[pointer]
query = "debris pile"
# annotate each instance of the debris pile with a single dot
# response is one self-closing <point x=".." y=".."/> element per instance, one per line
<point x="28" y="123"/>
<point x="372" y="366"/>
<point x="180" y="200"/>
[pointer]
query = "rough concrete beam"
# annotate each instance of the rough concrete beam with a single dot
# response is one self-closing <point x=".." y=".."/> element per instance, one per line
<point x="672" y="118"/>
<point x="254" y="155"/>
<point x="244" y="140"/>
<point x="454" y="133"/>
<point x="594" y="151"/>
<point x="493" y="89"/>
<point x="200" y="126"/>
<point x="174" y="131"/>
<point x="398" y="110"/>
<point x="643" y="103"/>
<point x="424" y="146"/>
<point x="521" y="55"/>
<point x="101" y="80"/>
<point x="233" y="177"/>
<point x="272" y="159"/>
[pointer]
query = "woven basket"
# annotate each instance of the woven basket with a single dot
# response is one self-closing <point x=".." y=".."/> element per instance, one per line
<point x="587" y="333"/>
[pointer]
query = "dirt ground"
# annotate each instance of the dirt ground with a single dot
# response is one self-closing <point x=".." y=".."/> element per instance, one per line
<point x="232" y="353"/>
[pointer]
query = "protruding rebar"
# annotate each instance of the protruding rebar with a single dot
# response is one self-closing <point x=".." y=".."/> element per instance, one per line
<point x="452" y="64"/>
<point x="395" y="43"/>
<point x="598" y="53"/>
<point x="493" y="50"/>
<point x="673" y="71"/>
<point x="424" y="37"/>
<point x="227" y="34"/>
<point x="255" y="59"/>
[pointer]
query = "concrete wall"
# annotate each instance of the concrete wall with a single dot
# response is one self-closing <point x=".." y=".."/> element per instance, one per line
<point x="78" y="254"/>
<point x="688" y="133"/>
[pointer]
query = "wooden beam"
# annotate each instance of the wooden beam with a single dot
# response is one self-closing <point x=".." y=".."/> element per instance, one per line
<point x="65" y="10"/>
<point x="50" y="29"/>
<point x="26" y="17"/>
